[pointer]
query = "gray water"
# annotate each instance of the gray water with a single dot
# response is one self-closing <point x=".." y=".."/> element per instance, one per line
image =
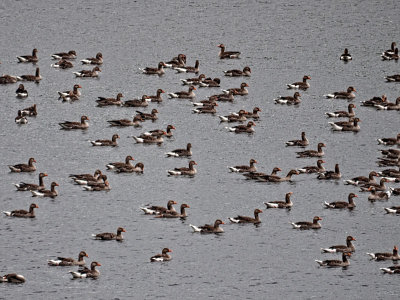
<point x="280" y="42"/>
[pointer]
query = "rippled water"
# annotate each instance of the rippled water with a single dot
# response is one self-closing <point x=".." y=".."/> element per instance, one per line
<point x="280" y="42"/>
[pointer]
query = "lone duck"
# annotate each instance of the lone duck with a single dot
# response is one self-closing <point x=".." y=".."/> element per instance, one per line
<point x="302" y="85"/>
<point x="30" y="167"/>
<point x="98" y="60"/>
<point x="184" y="171"/>
<point x="244" y="219"/>
<point x="281" y="204"/>
<point x="29" y="58"/>
<point x="83" y="124"/>
<point x="227" y="54"/>
<point x="300" y="143"/>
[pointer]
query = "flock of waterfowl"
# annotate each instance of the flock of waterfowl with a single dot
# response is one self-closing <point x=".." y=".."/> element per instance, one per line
<point x="99" y="181"/>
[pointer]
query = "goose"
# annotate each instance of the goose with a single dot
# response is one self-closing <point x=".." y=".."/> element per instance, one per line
<point x="281" y="204"/>
<point x="248" y="128"/>
<point x="341" y="204"/>
<point x="188" y="69"/>
<point x="183" y="94"/>
<point x="22" y="186"/>
<point x="362" y="179"/>
<point x="164" y="256"/>
<point x="179" y="61"/>
<point x="386" y="255"/>
<point x="30" y="167"/>
<point x="87" y="273"/>
<point x="68" y="261"/>
<point x="289" y="100"/>
<point x="302" y="85"/>
<point x="12" y="278"/>
<point x="151" y="116"/>
<point x="355" y="127"/>
<point x="244" y="219"/>
<point x="157" y="98"/>
<point x="245" y="168"/>
<point x="21" y="213"/>
<point x="103" y="101"/>
<point x="181" y="152"/>
<point x="236" y="73"/>
<point x="349" y="247"/>
<point x="300" y="143"/>
<point x="88" y="73"/>
<point x="342" y="114"/>
<point x="312" y="153"/>
<point x="174" y="214"/>
<point x="63" y="64"/>
<point x="184" y="171"/>
<point x="29" y="77"/>
<point x="227" y="54"/>
<point x="207" y="228"/>
<point x="64" y="55"/>
<point x="330" y="174"/>
<point x="136" y="122"/>
<point x="154" y="71"/>
<point x="98" y="60"/>
<point x="238" y="91"/>
<point x="107" y="236"/>
<point x="52" y="193"/>
<point x="83" y="124"/>
<point x="349" y="94"/>
<point x="313" y="169"/>
<point x="335" y="262"/>
<point x="20" y="119"/>
<point x="155" y="210"/>
<point x="117" y="165"/>
<point x="308" y="225"/>
<point x="112" y="142"/>
<point x="29" y="58"/>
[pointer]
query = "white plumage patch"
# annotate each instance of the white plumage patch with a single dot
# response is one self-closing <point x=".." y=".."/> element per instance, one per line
<point x="195" y="228"/>
<point x="233" y="220"/>
<point x="271" y="205"/>
<point x="7" y="213"/>
<point x="37" y="194"/>
<point x="172" y="154"/>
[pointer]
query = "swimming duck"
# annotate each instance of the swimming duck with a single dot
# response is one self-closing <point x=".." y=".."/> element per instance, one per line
<point x="12" y="278"/>
<point x="117" y="165"/>
<point x="346" y="56"/>
<point x="21" y="92"/>
<point x="151" y="116"/>
<point x="157" y="98"/>
<point x="175" y="214"/>
<point x="63" y="64"/>
<point x="188" y="69"/>
<point x="313" y="169"/>
<point x="238" y="91"/>
<point x="103" y="101"/>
